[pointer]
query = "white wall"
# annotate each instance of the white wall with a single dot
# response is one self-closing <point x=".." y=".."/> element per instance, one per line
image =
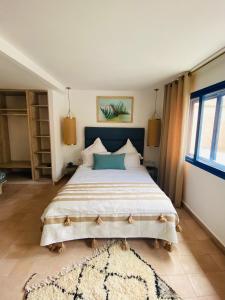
<point x="56" y="109"/>
<point x="83" y="106"/>
<point x="205" y="193"/>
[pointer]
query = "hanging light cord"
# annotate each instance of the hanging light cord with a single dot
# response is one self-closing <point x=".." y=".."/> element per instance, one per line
<point x="155" y="115"/>
<point x="68" y="97"/>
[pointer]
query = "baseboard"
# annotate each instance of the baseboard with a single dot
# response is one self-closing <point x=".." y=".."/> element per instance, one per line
<point x="212" y="235"/>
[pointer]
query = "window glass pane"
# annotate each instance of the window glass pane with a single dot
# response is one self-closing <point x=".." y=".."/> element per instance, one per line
<point x="220" y="153"/>
<point x="193" y="127"/>
<point x="208" y="115"/>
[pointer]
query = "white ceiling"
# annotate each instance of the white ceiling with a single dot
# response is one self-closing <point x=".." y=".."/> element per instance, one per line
<point x="114" y="44"/>
<point x="13" y="75"/>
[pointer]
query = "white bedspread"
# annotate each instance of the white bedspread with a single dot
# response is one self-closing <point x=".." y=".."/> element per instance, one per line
<point x="114" y="209"/>
<point x="87" y="175"/>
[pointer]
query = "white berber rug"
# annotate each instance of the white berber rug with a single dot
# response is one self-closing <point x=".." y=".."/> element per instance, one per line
<point x="111" y="274"/>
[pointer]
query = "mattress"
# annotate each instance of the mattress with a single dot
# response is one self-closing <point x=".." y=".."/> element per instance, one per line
<point x="101" y="204"/>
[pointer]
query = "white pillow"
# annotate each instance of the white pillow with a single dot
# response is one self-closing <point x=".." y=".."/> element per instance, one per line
<point x="128" y="148"/>
<point x="132" y="160"/>
<point x="87" y="154"/>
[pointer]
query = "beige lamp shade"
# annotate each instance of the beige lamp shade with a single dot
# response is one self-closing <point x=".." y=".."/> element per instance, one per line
<point x="69" y="131"/>
<point x="154" y="131"/>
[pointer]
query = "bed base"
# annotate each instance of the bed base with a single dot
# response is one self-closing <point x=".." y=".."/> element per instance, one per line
<point x="60" y="247"/>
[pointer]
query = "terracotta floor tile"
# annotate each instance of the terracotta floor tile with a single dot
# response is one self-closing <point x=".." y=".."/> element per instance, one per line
<point x="194" y="268"/>
<point x="198" y="264"/>
<point x="16" y="251"/>
<point x="167" y="265"/>
<point x="182" y="285"/>
<point x="202" y="285"/>
<point x="183" y="214"/>
<point x="220" y="260"/>
<point x="7" y="265"/>
<point x="12" y="287"/>
<point x="4" y="246"/>
<point x="29" y="237"/>
<point x="197" y="231"/>
<point x="197" y="247"/>
<point x="214" y="297"/>
<point x="206" y="247"/>
<point x="185" y="236"/>
<point x="22" y="267"/>
<point x="185" y="248"/>
<point x="218" y="280"/>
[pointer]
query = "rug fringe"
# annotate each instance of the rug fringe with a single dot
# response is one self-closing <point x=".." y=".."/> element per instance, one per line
<point x="26" y="286"/>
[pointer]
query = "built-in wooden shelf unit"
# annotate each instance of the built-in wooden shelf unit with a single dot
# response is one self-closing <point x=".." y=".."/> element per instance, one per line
<point x="38" y="111"/>
<point x="24" y="133"/>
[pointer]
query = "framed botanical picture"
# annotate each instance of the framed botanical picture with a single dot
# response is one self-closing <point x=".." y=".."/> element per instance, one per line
<point x="115" y="109"/>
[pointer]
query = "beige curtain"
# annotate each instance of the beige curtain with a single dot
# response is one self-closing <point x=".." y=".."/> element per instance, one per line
<point x="173" y="139"/>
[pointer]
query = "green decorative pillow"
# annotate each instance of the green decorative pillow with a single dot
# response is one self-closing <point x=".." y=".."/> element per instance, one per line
<point x="109" y="161"/>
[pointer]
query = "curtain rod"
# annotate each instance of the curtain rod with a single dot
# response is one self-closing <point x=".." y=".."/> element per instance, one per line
<point x="202" y="64"/>
<point x="208" y="60"/>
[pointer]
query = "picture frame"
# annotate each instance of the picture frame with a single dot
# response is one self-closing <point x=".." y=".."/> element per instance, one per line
<point x="114" y="109"/>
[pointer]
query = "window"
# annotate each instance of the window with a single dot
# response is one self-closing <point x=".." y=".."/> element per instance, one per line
<point x="206" y="140"/>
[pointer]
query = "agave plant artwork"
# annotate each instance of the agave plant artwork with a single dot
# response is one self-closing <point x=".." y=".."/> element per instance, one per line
<point x="113" y="109"/>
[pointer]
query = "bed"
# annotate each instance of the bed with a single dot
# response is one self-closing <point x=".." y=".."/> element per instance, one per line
<point x="110" y="203"/>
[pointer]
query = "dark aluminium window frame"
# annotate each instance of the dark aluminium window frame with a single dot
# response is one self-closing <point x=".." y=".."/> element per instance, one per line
<point x="194" y="160"/>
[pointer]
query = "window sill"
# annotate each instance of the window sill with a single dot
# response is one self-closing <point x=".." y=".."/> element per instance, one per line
<point x="205" y="167"/>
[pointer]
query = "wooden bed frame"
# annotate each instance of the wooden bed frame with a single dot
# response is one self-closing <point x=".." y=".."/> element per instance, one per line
<point x="113" y="138"/>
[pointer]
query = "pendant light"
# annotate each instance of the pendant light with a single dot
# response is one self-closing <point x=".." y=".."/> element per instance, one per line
<point x="69" y="125"/>
<point x="154" y="127"/>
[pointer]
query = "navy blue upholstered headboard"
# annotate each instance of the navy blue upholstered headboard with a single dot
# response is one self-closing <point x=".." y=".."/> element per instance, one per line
<point x="114" y="138"/>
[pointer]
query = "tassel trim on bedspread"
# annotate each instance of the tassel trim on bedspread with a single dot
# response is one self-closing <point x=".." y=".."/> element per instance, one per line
<point x="162" y="219"/>
<point x="179" y="228"/>
<point x="57" y="247"/>
<point x="124" y="245"/>
<point x="130" y="220"/>
<point x="67" y="221"/>
<point x="99" y="220"/>
<point x="94" y="244"/>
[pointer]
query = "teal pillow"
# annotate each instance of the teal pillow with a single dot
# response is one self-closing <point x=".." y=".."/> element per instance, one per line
<point x="109" y="161"/>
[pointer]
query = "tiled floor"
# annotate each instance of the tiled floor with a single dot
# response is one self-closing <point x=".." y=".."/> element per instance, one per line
<point x="195" y="269"/>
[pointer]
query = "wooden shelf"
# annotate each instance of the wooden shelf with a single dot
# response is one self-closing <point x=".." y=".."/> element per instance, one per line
<point x="44" y="151"/>
<point x="12" y="92"/>
<point x="41" y="120"/>
<point x="12" y="114"/>
<point x="44" y="166"/>
<point x="40" y="105"/>
<point x="45" y="178"/>
<point x="13" y="109"/>
<point x="16" y="165"/>
<point x="42" y="136"/>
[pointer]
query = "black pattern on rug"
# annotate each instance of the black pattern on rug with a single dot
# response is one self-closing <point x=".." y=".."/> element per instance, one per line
<point x="162" y="289"/>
